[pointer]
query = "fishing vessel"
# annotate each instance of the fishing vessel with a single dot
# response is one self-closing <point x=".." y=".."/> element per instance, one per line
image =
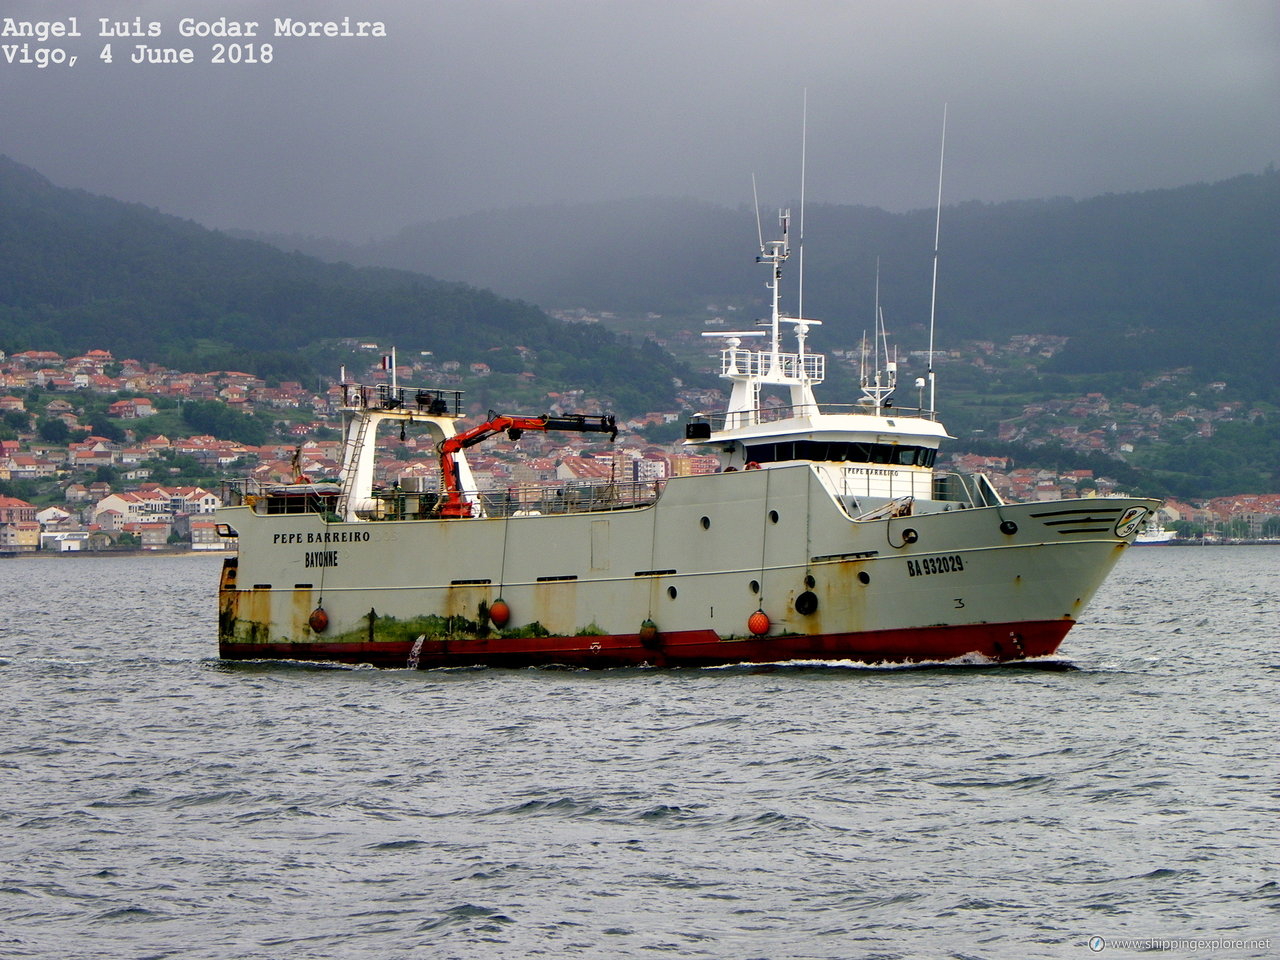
<point x="1154" y="533"/>
<point x="826" y="534"/>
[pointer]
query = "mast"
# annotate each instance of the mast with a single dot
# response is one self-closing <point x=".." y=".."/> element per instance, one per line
<point x="775" y="253"/>
<point x="749" y="370"/>
<point x="877" y="391"/>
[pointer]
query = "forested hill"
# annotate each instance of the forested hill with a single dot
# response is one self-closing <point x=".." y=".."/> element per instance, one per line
<point x="79" y="271"/>
<point x="1165" y="278"/>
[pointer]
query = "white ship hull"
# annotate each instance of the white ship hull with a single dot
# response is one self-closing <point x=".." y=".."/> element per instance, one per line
<point x="676" y="581"/>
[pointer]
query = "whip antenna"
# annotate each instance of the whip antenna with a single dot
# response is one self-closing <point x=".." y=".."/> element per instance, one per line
<point x="804" y="139"/>
<point x="937" y="232"/>
<point x="756" y="199"/>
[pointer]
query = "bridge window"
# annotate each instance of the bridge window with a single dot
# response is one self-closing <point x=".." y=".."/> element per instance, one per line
<point x="839" y="451"/>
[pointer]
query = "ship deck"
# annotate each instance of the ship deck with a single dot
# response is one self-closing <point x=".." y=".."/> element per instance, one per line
<point x="561" y="497"/>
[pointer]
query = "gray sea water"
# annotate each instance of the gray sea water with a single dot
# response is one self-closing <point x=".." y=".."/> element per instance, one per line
<point x="156" y="802"/>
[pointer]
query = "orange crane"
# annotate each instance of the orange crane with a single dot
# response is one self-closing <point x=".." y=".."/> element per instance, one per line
<point x="453" y="503"/>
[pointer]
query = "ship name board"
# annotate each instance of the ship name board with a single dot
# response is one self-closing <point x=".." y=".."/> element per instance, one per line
<point x="871" y="471"/>
<point x="326" y="536"/>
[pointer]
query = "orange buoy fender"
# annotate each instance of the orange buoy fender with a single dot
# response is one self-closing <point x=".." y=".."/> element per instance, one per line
<point x="499" y="613"/>
<point x="319" y="620"/>
<point x="758" y="623"/>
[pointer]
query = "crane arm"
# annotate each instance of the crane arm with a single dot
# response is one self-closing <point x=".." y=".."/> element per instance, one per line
<point x="453" y="503"/>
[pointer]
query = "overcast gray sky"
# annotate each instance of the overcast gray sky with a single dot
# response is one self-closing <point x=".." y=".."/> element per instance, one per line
<point x="475" y="104"/>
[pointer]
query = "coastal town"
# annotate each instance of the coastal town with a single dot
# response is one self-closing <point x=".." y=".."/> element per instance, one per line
<point x="78" y="432"/>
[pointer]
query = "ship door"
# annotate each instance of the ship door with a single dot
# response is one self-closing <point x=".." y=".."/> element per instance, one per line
<point x="599" y="544"/>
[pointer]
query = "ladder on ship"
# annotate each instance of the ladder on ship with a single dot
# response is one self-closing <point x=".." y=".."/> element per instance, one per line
<point x="355" y="443"/>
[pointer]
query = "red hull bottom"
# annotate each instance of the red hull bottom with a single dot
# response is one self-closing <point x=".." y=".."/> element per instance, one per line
<point x="998" y="643"/>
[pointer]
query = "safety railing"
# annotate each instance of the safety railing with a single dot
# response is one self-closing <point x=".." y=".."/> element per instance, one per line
<point x="394" y="503"/>
<point x="426" y="400"/>
<point x="772" y="414"/>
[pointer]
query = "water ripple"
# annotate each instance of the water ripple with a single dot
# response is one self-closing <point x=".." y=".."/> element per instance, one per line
<point x="166" y="804"/>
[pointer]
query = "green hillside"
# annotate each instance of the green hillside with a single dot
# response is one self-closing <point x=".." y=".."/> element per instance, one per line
<point x="81" y="271"/>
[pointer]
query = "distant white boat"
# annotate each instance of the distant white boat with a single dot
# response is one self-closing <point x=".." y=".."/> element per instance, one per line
<point x="1154" y="533"/>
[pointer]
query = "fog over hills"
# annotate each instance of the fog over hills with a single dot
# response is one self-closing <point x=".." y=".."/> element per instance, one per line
<point x="1186" y="276"/>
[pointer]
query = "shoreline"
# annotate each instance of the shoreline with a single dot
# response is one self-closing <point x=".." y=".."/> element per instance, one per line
<point x="55" y="554"/>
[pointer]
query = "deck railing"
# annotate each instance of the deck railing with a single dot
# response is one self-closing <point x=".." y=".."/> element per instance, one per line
<point x="572" y="497"/>
<point x="970" y="489"/>
<point x="766" y="365"/>
<point x="394" y="503"/>
<point x="428" y="400"/>
<point x="772" y="414"/>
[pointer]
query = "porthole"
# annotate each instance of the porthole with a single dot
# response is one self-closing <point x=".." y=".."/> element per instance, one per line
<point x="754" y="586"/>
<point x="810" y="582"/>
<point x="864" y="577"/>
<point x="671" y="592"/>
<point x="773" y="516"/>
<point x="706" y="523"/>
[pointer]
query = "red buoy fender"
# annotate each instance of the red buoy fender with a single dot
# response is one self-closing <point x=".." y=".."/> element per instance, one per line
<point x="758" y="623"/>
<point x="319" y="620"/>
<point x="499" y="613"/>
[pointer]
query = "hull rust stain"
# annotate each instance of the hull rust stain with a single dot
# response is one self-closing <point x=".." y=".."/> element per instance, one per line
<point x="995" y="643"/>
